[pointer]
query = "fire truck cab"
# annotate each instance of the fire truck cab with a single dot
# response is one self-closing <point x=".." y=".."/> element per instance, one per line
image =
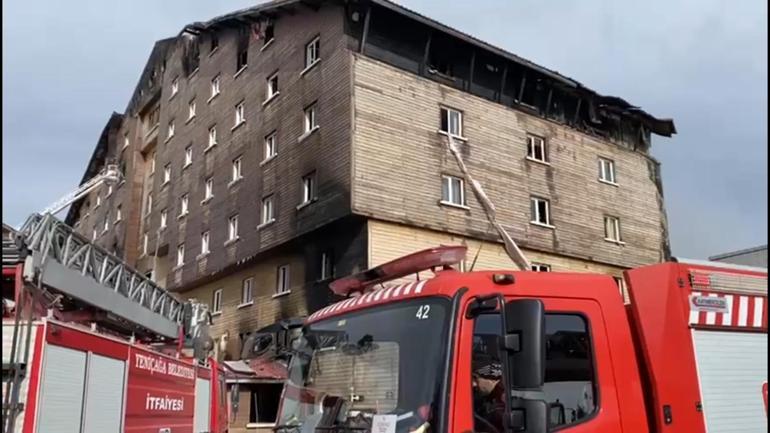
<point x="501" y="351"/>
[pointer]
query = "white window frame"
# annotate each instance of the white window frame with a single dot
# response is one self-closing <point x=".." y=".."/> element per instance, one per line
<point x="612" y="232"/>
<point x="268" y="210"/>
<point x="240" y="114"/>
<point x="540" y="267"/>
<point x="607" y="171"/>
<point x="188" y="156"/>
<point x="205" y="237"/>
<point x="270" y="146"/>
<point x="312" y="52"/>
<point x="216" y="302"/>
<point x="448" y="112"/>
<point x="148" y="209"/>
<point x="283" y="280"/>
<point x="450" y="180"/>
<point x="310" y="118"/>
<point x="126" y="140"/>
<point x="212" y="136"/>
<point x="533" y="143"/>
<point x="236" y="172"/>
<point x="152" y="162"/>
<point x="191" y="108"/>
<point x="180" y="255"/>
<point x="109" y="190"/>
<point x="94" y="234"/>
<point x="232" y="228"/>
<point x="171" y="130"/>
<point x="215" y="90"/>
<point x="145" y="244"/>
<point x="208" y="189"/>
<point x="272" y="87"/>
<point x="308" y="188"/>
<point x="118" y="213"/>
<point x="174" y="86"/>
<point x="98" y="200"/>
<point x="535" y="211"/>
<point x="184" y="207"/>
<point x="106" y="225"/>
<point x="167" y="173"/>
<point x="247" y="292"/>
<point x="163" y="219"/>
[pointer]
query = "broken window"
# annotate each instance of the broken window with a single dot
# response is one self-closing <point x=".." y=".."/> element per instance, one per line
<point x="540" y="212"/>
<point x="396" y="40"/>
<point x="487" y="76"/>
<point x="536" y="149"/>
<point x="327" y="264"/>
<point x="451" y="122"/>
<point x="213" y="42"/>
<point x="449" y="60"/>
<point x="269" y="33"/>
<point x="263" y="407"/>
<point x="242" y="49"/>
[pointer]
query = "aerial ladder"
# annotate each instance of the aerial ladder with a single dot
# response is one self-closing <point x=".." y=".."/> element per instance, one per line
<point x="51" y="270"/>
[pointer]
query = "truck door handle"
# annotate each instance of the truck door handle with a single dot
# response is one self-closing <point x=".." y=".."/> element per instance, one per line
<point x="667" y="417"/>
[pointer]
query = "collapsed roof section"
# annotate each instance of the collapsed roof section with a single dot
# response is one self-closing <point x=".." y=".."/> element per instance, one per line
<point x="97" y="161"/>
<point x="543" y="90"/>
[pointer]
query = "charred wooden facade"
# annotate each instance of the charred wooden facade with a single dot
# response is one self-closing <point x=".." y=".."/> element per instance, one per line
<point x="377" y="82"/>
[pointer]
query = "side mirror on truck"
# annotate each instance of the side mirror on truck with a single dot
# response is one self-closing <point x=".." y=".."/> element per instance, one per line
<point x="524" y="365"/>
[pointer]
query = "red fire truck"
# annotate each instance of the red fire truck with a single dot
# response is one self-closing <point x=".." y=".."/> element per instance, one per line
<point x="503" y="351"/>
<point x="91" y="345"/>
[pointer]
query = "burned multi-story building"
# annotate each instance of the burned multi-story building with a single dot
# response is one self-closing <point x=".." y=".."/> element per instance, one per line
<point x="267" y="151"/>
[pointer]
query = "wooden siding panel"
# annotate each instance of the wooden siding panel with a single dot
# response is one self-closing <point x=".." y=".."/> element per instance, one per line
<point x="399" y="156"/>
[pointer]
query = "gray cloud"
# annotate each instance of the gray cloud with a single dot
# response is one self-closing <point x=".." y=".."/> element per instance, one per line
<point x="704" y="63"/>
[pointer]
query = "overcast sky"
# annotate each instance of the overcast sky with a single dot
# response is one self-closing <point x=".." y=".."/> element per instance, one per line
<point x="68" y="65"/>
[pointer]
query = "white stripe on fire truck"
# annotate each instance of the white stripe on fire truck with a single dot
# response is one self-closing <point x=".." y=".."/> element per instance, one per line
<point x="694" y="313"/>
<point x="743" y="311"/>
<point x="386" y="295"/>
<point x="727" y="318"/>
<point x="758" y="311"/>
<point x="419" y="287"/>
<point x="398" y="290"/>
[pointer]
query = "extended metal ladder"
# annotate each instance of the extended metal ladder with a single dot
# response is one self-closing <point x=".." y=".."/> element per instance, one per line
<point x="66" y="263"/>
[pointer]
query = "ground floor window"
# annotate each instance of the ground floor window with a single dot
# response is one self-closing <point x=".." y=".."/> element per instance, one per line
<point x="263" y="404"/>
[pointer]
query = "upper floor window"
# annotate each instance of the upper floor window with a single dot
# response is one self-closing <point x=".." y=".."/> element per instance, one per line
<point x="268" y="210"/>
<point x="152" y="162"/>
<point x="205" y="243"/>
<point x="540" y="211"/>
<point x="106" y="225"/>
<point x="536" y="149"/>
<point x="232" y="228"/>
<point x="180" y="255"/>
<point x="247" y="291"/>
<point x="94" y="234"/>
<point x="312" y="52"/>
<point x="166" y="174"/>
<point x="188" y="155"/>
<point x="308" y="188"/>
<point x="570" y="384"/>
<point x="98" y="200"/>
<point x="109" y="190"/>
<point x="240" y="113"/>
<point x="171" y="130"/>
<point x="272" y="86"/>
<point x="163" y="219"/>
<point x="242" y="59"/>
<point x="213" y="42"/>
<point x="606" y="170"/>
<point x="214" y="87"/>
<point x="452" y="190"/>
<point x="118" y="214"/>
<point x="184" y="205"/>
<point x="311" y="122"/>
<point x="148" y="208"/>
<point x="269" y="33"/>
<point x="145" y="243"/>
<point x="216" y="302"/>
<point x="612" y="228"/>
<point x="174" y="86"/>
<point x="270" y="146"/>
<point x="451" y="122"/>
<point x="191" y="107"/>
<point x="540" y="267"/>
<point x="208" y="188"/>
<point x="212" y="136"/>
<point x="126" y="141"/>
<point x="282" y="283"/>
<point x="236" y="169"/>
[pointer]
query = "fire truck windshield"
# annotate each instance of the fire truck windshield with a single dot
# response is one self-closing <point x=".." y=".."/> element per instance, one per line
<point x="378" y="366"/>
